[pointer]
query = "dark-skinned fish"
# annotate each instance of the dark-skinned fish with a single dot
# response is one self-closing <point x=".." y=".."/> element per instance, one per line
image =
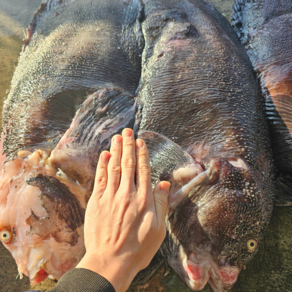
<point x="173" y="71"/>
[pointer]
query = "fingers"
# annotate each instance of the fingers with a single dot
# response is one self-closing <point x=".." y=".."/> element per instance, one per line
<point x="143" y="168"/>
<point x="128" y="160"/>
<point x="114" y="166"/>
<point x="101" y="174"/>
<point x="161" y="193"/>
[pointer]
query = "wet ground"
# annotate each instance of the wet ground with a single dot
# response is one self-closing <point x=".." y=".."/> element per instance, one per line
<point x="269" y="271"/>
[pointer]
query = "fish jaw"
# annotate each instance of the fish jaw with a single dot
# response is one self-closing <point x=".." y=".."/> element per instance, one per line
<point x="196" y="275"/>
<point x="53" y="258"/>
<point x="199" y="270"/>
<point x="46" y="258"/>
<point x="225" y="279"/>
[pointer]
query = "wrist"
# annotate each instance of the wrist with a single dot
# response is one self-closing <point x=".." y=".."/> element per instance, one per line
<point x="118" y="272"/>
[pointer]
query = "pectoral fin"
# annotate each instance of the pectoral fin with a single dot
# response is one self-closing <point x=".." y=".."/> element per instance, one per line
<point x="103" y="114"/>
<point x="171" y="163"/>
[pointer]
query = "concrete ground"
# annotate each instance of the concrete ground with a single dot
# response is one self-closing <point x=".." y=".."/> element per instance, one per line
<point x="269" y="271"/>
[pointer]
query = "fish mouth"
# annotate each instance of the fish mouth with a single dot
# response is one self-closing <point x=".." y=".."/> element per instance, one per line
<point x="40" y="276"/>
<point x="224" y="278"/>
<point x="38" y="273"/>
<point x="198" y="274"/>
<point x="44" y="269"/>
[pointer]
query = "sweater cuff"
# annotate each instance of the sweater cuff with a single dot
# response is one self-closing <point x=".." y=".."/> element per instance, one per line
<point x="82" y="280"/>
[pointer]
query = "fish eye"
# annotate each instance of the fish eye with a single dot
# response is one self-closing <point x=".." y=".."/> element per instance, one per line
<point x="6" y="236"/>
<point x="251" y="245"/>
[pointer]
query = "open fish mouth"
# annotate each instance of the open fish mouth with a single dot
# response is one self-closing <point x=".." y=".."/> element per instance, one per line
<point x="220" y="279"/>
<point x="37" y="264"/>
<point x="224" y="278"/>
<point x="38" y="273"/>
<point x="198" y="274"/>
<point x="44" y="269"/>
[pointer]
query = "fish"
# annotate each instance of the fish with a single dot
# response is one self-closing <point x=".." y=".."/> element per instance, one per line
<point x="264" y="28"/>
<point x="174" y="72"/>
<point x="198" y="91"/>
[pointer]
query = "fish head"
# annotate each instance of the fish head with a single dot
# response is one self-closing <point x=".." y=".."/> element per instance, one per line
<point x="41" y="219"/>
<point x="216" y="229"/>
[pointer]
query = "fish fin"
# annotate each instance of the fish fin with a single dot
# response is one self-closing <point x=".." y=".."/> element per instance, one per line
<point x="45" y="8"/>
<point x="172" y="163"/>
<point x="102" y="115"/>
<point x="283" y="195"/>
<point x="236" y="19"/>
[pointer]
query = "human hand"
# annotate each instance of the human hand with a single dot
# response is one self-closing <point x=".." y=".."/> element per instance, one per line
<point x="124" y="220"/>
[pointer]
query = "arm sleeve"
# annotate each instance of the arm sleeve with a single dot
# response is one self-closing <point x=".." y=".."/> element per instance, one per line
<point x="82" y="280"/>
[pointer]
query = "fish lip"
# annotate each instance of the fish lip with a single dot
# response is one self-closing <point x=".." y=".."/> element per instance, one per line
<point x="217" y="281"/>
<point x="220" y="278"/>
<point x="196" y="280"/>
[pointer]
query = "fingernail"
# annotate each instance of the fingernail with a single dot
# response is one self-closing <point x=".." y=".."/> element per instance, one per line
<point x="105" y="156"/>
<point x="127" y="133"/>
<point x="164" y="186"/>
<point x="117" y="139"/>
<point x="139" y="143"/>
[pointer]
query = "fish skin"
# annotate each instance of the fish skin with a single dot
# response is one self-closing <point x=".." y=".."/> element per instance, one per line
<point x="191" y="27"/>
<point x="88" y="46"/>
<point x="264" y="27"/>
<point x="198" y="89"/>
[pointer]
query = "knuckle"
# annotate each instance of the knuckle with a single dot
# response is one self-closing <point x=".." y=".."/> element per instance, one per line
<point x="161" y="201"/>
<point x="101" y="181"/>
<point x="142" y="152"/>
<point x="128" y="142"/>
<point x="143" y="168"/>
<point x="115" y="169"/>
<point x="101" y="166"/>
<point x="129" y="162"/>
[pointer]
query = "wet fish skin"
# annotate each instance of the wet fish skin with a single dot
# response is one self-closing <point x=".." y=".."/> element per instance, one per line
<point x="88" y="46"/>
<point x="264" y="27"/>
<point x="198" y="89"/>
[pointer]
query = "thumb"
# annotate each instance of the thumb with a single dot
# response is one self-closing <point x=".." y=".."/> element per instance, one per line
<point x="161" y="193"/>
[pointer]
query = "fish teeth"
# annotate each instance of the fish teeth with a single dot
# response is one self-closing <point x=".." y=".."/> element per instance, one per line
<point x="20" y="275"/>
<point x="51" y="277"/>
<point x="36" y="269"/>
<point x="36" y="259"/>
<point x="62" y="174"/>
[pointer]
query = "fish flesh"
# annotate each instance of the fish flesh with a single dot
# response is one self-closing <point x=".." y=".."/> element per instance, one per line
<point x="264" y="27"/>
<point x="173" y="71"/>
